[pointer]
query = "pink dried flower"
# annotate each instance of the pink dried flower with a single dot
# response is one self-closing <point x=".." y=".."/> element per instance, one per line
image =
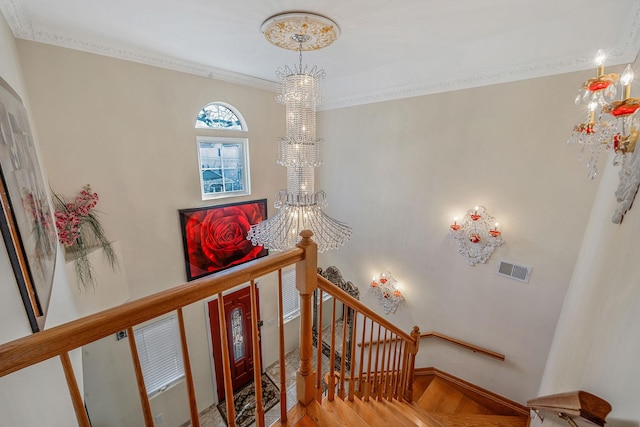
<point x="69" y="217"/>
<point x="79" y="230"/>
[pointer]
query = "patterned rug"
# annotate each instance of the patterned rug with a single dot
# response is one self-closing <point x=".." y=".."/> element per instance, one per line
<point x="244" y="402"/>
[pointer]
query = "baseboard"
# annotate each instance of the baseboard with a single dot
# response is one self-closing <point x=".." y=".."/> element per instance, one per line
<point x="499" y="404"/>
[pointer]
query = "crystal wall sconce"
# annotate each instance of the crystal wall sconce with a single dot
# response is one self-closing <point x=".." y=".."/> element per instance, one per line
<point x="386" y="289"/>
<point x="611" y="125"/>
<point x="477" y="235"/>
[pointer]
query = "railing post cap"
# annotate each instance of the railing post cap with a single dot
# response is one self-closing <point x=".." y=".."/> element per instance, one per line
<point x="306" y="234"/>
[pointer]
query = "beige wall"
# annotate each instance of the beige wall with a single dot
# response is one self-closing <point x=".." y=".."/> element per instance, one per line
<point x="128" y="130"/>
<point x="398" y="172"/>
<point x="597" y="341"/>
<point x="40" y="392"/>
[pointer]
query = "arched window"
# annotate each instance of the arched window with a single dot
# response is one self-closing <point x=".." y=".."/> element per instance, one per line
<point x="223" y="161"/>
<point x="218" y="115"/>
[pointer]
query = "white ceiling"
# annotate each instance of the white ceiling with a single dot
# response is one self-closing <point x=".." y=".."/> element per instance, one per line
<point x="386" y="50"/>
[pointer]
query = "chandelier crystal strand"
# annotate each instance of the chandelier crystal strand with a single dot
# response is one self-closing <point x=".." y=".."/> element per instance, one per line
<point x="300" y="206"/>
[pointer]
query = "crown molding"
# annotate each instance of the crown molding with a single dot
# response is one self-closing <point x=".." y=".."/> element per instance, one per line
<point x="17" y="18"/>
<point x="21" y="26"/>
<point x="161" y="61"/>
<point x="529" y="71"/>
<point x="625" y="52"/>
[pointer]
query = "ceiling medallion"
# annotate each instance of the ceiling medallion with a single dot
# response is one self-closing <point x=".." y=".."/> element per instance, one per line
<point x="300" y="30"/>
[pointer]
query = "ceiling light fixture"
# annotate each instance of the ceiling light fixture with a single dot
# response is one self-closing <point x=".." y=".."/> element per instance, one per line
<point x="300" y="206"/>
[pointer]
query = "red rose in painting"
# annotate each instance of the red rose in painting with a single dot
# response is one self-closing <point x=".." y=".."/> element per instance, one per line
<point x="217" y="237"/>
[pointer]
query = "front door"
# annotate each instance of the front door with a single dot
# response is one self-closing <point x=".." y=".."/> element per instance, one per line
<point x="237" y="312"/>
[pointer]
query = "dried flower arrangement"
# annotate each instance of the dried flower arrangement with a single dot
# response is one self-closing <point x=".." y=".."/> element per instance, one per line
<point x="80" y="231"/>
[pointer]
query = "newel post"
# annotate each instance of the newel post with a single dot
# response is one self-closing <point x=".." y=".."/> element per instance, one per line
<point x="413" y="350"/>
<point x="306" y="282"/>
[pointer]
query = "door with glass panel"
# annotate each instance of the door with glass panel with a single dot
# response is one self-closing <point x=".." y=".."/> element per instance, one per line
<point x="237" y="312"/>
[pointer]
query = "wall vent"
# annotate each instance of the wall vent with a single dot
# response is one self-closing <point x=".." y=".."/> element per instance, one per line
<point x="514" y="271"/>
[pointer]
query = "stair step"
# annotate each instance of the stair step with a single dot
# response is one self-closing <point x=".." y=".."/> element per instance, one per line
<point x="384" y="413"/>
<point x="470" y="406"/>
<point x="420" y="384"/>
<point x="439" y="397"/>
<point x="476" y="420"/>
<point x="295" y="416"/>
<point x="417" y="412"/>
<point x="478" y="400"/>
<point x="438" y="402"/>
<point x="305" y="421"/>
<point x="443" y="398"/>
<point x="334" y="413"/>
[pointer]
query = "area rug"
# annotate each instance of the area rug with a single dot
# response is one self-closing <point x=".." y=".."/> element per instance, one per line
<point x="244" y="402"/>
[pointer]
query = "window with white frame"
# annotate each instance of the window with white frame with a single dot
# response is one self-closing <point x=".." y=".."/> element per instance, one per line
<point x="290" y="295"/>
<point x="224" y="167"/>
<point x="160" y="353"/>
<point x="223" y="162"/>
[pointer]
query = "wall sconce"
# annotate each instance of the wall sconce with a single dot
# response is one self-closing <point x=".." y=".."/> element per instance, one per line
<point x="386" y="289"/>
<point x="477" y="235"/>
<point x="611" y="124"/>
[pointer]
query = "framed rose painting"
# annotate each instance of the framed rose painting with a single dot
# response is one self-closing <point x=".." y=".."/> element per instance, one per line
<point x="215" y="237"/>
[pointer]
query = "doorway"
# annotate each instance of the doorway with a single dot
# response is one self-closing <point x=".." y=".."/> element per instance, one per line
<point x="237" y="312"/>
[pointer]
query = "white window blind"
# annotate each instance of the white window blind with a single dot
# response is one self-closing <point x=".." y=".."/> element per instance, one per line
<point x="160" y="353"/>
<point x="290" y="296"/>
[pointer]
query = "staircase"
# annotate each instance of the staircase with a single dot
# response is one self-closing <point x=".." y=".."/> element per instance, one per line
<point x="439" y="400"/>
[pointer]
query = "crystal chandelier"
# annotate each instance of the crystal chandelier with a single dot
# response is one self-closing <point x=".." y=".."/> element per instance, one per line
<point x="300" y="206"/>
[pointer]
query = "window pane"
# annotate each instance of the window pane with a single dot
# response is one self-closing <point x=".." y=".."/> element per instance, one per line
<point x="223" y="166"/>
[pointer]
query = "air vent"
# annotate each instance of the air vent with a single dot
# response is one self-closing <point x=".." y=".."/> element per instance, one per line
<point x="514" y="271"/>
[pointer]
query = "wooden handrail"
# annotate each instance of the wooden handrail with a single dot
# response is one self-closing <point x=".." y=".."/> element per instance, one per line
<point x="23" y="352"/>
<point x="573" y="404"/>
<point x="343" y="296"/>
<point x="460" y="343"/>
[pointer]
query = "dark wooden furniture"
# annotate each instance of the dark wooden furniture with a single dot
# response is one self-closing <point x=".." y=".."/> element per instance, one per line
<point x="333" y="275"/>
